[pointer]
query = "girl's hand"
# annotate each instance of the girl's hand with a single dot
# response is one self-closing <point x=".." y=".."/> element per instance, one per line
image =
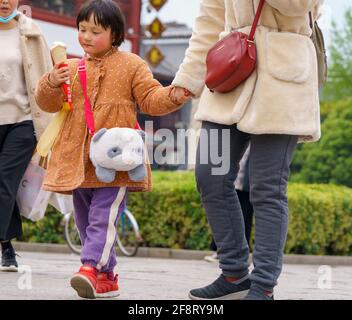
<point x="58" y="75"/>
<point x="180" y="95"/>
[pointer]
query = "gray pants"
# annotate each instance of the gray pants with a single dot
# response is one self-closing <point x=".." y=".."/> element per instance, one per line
<point x="269" y="162"/>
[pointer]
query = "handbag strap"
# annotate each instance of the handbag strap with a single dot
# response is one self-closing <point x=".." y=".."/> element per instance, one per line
<point x="82" y="73"/>
<point x="311" y="21"/>
<point x="256" y="20"/>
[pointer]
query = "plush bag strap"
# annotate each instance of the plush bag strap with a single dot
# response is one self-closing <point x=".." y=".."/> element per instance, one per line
<point x="137" y="126"/>
<point x="82" y="73"/>
<point x="256" y="20"/>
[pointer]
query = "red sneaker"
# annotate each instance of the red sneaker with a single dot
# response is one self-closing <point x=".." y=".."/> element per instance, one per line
<point x="107" y="285"/>
<point x="85" y="282"/>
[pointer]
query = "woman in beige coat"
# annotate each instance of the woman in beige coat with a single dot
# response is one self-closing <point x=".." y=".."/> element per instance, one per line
<point x="274" y="109"/>
<point x="24" y="58"/>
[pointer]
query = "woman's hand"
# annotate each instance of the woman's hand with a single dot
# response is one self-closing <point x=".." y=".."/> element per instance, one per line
<point x="180" y="95"/>
<point x="59" y="74"/>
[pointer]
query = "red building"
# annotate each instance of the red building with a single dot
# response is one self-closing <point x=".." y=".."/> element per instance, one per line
<point x="62" y="13"/>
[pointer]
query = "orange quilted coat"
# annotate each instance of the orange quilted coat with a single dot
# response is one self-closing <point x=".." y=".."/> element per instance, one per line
<point x="116" y="84"/>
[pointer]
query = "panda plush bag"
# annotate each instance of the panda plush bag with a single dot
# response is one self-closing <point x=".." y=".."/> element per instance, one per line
<point x="115" y="149"/>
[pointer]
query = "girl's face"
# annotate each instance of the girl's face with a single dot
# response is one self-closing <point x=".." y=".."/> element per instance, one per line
<point x="7" y="7"/>
<point x="94" y="39"/>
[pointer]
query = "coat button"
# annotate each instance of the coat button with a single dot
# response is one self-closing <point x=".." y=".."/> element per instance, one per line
<point x="33" y="90"/>
<point x="30" y="65"/>
<point x="37" y="114"/>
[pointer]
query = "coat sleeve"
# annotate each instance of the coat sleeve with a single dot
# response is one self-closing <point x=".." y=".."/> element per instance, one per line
<point x="48" y="97"/>
<point x="151" y="97"/>
<point x="207" y="28"/>
<point x="293" y="7"/>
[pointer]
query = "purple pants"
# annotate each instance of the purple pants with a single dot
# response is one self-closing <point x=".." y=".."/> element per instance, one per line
<point x="96" y="213"/>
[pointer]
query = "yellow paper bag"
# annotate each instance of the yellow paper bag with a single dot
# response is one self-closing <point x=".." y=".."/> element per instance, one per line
<point x="50" y="134"/>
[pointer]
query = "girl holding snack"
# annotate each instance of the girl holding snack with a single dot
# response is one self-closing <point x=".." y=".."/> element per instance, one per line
<point x="116" y="83"/>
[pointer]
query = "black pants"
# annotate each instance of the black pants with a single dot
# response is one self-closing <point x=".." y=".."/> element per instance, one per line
<point x="17" y="143"/>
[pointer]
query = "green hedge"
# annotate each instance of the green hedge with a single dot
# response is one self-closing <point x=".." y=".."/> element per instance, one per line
<point x="171" y="216"/>
<point x="329" y="160"/>
<point x="320" y="219"/>
<point x="48" y="230"/>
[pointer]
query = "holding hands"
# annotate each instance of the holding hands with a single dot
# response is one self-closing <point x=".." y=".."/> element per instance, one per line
<point x="180" y="95"/>
<point x="59" y="74"/>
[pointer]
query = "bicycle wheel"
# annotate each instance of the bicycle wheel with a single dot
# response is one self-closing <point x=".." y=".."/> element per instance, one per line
<point x="128" y="237"/>
<point x="71" y="234"/>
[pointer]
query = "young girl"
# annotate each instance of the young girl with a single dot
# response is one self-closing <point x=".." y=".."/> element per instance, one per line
<point x="24" y="58"/>
<point x="116" y="83"/>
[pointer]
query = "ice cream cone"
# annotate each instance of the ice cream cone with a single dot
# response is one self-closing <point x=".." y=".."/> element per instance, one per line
<point x="58" y="52"/>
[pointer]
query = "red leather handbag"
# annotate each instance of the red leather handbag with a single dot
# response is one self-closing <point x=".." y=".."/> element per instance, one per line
<point x="233" y="59"/>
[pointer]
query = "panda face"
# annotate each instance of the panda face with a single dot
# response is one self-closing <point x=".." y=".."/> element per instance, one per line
<point x="133" y="153"/>
<point x="114" y="152"/>
<point x="121" y="149"/>
<point x="125" y="154"/>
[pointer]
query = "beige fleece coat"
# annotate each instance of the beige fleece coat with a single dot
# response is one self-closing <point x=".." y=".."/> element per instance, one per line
<point x="36" y="62"/>
<point x="281" y="96"/>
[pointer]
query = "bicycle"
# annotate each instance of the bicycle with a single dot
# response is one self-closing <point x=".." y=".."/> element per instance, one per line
<point x="128" y="238"/>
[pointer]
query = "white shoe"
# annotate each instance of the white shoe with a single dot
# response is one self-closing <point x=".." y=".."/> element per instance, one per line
<point x="8" y="269"/>
<point x="212" y="258"/>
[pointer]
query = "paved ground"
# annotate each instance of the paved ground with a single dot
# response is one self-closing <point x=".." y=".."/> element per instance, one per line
<point x="156" y="279"/>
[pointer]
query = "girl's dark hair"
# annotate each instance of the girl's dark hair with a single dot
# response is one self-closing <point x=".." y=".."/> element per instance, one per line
<point x="107" y="14"/>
